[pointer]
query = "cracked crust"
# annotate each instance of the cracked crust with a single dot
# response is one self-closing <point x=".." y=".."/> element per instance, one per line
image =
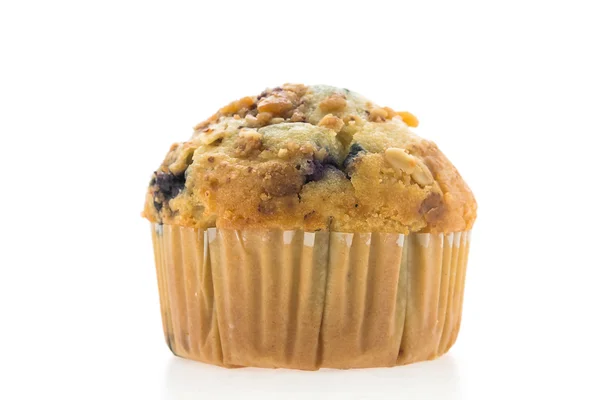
<point x="312" y="158"/>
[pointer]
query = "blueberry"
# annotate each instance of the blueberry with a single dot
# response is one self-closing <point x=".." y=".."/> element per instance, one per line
<point x="355" y="150"/>
<point x="316" y="169"/>
<point x="170" y="185"/>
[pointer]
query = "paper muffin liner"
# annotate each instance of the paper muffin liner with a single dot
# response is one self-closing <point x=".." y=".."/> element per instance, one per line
<point x="309" y="300"/>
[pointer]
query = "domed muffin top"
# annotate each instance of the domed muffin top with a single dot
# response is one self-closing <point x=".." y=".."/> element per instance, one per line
<point x="312" y="158"/>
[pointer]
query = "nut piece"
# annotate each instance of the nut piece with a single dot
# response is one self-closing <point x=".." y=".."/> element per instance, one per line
<point x="235" y="106"/>
<point x="408" y="118"/>
<point x="352" y="119"/>
<point x="401" y="161"/>
<point x="251" y="121"/>
<point x="275" y="104"/>
<point x="183" y="160"/>
<point x="332" y="122"/>
<point x="250" y="134"/>
<point x="422" y="175"/>
<point x="321" y="154"/>
<point x="248" y="143"/>
<point x="378" y="114"/>
<point x="298" y="117"/>
<point x="390" y="112"/>
<point x="212" y="135"/>
<point x="263" y="118"/>
<point x="283" y="153"/>
<point x="335" y="102"/>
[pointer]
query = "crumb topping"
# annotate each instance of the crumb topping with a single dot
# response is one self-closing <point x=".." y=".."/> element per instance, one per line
<point x="312" y="158"/>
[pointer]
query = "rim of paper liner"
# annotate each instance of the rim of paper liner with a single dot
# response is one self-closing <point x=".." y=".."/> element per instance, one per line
<point x="309" y="300"/>
<point x="288" y="234"/>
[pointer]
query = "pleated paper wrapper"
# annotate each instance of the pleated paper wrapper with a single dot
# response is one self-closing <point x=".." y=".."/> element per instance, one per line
<point x="309" y="300"/>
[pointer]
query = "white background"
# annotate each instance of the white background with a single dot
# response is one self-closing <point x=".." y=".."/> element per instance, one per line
<point x="93" y="93"/>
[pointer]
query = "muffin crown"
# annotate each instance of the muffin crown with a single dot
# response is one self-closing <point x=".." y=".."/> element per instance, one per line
<point x="311" y="158"/>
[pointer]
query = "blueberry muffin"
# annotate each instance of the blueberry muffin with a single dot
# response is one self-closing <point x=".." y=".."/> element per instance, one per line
<point x="308" y="227"/>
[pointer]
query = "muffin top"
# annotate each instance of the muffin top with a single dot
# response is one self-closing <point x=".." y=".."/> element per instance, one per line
<point x="312" y="158"/>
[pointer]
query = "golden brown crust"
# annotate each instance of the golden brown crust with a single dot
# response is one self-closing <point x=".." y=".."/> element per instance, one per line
<point x="312" y="158"/>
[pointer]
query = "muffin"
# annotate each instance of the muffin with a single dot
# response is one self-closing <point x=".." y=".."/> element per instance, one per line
<point x="309" y="228"/>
